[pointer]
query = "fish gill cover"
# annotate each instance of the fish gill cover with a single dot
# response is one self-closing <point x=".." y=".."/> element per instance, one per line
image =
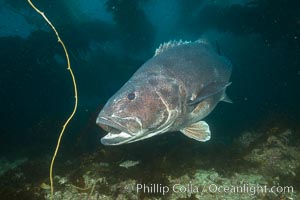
<point x="254" y="141"/>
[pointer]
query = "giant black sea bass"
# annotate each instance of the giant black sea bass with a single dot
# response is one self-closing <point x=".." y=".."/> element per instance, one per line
<point x="173" y="91"/>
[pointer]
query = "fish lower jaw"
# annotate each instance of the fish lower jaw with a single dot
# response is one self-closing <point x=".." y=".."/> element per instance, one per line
<point x="119" y="134"/>
<point x="113" y="138"/>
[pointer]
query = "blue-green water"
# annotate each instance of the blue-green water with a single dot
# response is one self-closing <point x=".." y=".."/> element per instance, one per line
<point x="108" y="40"/>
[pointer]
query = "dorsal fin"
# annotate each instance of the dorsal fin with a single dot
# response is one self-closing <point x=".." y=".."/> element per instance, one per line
<point x="173" y="43"/>
<point x="168" y="45"/>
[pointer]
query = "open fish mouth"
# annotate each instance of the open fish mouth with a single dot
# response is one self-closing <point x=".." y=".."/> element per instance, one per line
<point x="117" y="133"/>
<point x="109" y="125"/>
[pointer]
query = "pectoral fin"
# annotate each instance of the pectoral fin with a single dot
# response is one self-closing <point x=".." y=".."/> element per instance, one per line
<point x="209" y="90"/>
<point x="198" y="131"/>
<point x="226" y="98"/>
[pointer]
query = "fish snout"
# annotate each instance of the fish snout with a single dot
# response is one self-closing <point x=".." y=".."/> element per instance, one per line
<point x="120" y="129"/>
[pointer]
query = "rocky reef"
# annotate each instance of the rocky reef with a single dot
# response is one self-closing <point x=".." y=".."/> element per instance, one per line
<point x="257" y="165"/>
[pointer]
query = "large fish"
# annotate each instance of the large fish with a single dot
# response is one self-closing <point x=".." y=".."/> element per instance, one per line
<point x="173" y="91"/>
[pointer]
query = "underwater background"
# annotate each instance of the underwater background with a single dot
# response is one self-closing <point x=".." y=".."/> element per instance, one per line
<point x="254" y="141"/>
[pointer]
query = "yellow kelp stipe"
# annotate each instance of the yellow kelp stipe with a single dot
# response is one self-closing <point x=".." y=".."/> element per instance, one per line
<point x="75" y="92"/>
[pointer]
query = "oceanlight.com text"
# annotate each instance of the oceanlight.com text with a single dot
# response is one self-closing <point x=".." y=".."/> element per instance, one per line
<point x="251" y="189"/>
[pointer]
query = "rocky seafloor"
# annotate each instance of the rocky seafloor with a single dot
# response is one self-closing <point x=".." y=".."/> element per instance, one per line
<point x="257" y="165"/>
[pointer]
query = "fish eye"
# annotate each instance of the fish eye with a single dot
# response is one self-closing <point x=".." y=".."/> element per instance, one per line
<point x="131" y="96"/>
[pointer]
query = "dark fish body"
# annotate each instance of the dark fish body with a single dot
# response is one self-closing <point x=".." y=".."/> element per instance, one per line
<point x="173" y="91"/>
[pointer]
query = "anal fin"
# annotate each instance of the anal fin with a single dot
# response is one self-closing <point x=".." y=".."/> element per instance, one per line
<point x="198" y="131"/>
